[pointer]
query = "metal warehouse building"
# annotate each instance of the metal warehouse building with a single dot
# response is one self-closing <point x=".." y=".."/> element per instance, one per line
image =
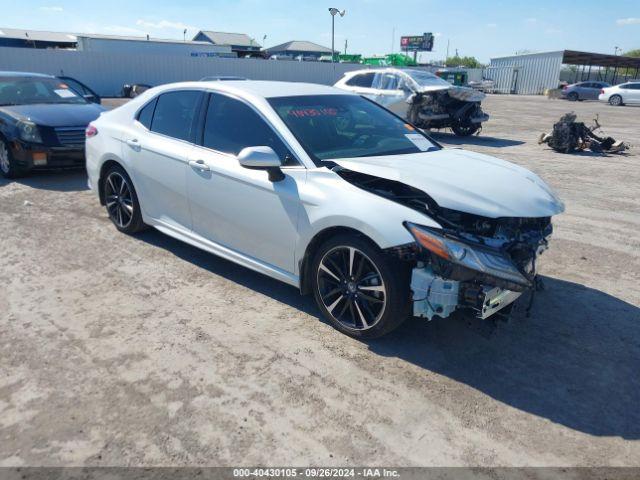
<point x="528" y="74"/>
<point x="533" y="73"/>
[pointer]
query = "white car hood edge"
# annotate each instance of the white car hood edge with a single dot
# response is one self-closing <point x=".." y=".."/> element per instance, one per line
<point x="466" y="181"/>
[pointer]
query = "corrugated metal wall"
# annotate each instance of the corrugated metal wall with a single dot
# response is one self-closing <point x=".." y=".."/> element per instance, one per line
<point x="503" y="78"/>
<point x="532" y="73"/>
<point x="107" y="72"/>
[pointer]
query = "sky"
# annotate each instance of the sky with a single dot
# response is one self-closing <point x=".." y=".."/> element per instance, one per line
<point x="479" y="28"/>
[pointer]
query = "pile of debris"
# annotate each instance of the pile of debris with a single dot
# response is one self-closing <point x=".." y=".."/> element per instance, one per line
<point x="570" y="136"/>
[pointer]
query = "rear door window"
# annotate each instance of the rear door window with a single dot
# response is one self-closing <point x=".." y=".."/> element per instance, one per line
<point x="174" y="114"/>
<point x="146" y="114"/>
<point x="364" y="80"/>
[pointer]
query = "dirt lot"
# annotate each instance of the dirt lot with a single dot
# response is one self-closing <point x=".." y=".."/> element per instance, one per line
<point x="119" y="350"/>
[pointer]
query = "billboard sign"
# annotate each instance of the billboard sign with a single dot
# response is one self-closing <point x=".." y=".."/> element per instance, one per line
<point x="417" y="43"/>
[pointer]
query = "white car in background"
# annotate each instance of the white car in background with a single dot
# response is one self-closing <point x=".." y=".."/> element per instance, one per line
<point x="625" y="93"/>
<point x="327" y="191"/>
<point x="421" y="97"/>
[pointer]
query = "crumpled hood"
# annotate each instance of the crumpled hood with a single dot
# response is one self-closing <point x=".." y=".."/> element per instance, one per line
<point x="466" y="181"/>
<point x="56" y="114"/>
<point x="465" y="94"/>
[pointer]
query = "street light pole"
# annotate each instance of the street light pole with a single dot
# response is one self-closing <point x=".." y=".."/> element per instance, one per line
<point x="333" y="11"/>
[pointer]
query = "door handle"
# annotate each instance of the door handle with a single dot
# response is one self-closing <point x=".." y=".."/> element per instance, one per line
<point x="133" y="143"/>
<point x="199" y="165"/>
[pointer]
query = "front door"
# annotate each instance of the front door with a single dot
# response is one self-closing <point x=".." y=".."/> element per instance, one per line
<point x="240" y="208"/>
<point x="392" y="92"/>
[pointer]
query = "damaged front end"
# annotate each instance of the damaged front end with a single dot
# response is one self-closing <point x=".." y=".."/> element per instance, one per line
<point x="456" y="108"/>
<point x="473" y="263"/>
<point x="481" y="269"/>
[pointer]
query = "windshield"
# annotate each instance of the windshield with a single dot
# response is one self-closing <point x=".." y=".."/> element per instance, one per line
<point x="30" y="90"/>
<point x="426" y="79"/>
<point x="346" y="126"/>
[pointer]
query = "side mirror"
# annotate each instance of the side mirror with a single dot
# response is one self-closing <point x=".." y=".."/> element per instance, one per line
<point x="262" y="158"/>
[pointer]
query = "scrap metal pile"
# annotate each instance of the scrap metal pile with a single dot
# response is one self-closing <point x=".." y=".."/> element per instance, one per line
<point x="570" y="136"/>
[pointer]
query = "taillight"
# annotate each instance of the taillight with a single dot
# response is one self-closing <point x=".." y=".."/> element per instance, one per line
<point x="565" y="87"/>
<point x="90" y="131"/>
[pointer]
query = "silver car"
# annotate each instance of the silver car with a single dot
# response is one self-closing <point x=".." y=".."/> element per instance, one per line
<point x="583" y="90"/>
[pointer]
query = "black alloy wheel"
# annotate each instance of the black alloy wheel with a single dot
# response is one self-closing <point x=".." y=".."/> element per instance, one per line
<point x="122" y="202"/>
<point x="358" y="289"/>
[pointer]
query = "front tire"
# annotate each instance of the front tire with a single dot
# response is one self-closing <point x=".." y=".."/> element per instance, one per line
<point x="573" y="97"/>
<point x="358" y="289"/>
<point x="121" y="201"/>
<point x="615" y="100"/>
<point x="8" y="166"/>
<point x="465" y="130"/>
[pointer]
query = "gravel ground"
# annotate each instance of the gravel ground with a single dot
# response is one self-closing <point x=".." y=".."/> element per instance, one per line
<point x="118" y="350"/>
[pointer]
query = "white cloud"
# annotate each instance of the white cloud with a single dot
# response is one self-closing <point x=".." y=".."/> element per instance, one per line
<point x="492" y="25"/>
<point x="52" y="9"/>
<point x="165" y="24"/>
<point x="628" y="21"/>
<point x="437" y="35"/>
<point x="531" y="20"/>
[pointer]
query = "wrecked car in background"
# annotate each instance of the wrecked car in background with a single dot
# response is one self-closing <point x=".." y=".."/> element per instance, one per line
<point x="331" y="193"/>
<point x="569" y="135"/>
<point x="420" y="97"/>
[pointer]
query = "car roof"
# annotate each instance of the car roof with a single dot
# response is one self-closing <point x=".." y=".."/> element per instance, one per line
<point x="25" y="74"/>
<point x="260" y="88"/>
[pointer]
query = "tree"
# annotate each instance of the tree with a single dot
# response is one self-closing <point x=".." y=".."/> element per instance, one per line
<point x="631" y="53"/>
<point x="468" y="62"/>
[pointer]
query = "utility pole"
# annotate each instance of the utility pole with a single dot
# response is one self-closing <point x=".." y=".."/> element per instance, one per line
<point x="447" y="57"/>
<point x="334" y="11"/>
<point x="346" y="42"/>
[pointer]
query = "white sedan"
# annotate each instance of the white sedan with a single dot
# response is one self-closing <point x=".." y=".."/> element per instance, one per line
<point x="625" y="93"/>
<point x="327" y="191"/>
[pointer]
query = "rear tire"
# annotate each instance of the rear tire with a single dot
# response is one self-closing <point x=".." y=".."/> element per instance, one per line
<point x="121" y="201"/>
<point x="359" y="290"/>
<point x="8" y="165"/>
<point x="615" y="100"/>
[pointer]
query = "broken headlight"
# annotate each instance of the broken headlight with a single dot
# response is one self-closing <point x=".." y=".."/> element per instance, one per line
<point x="476" y="257"/>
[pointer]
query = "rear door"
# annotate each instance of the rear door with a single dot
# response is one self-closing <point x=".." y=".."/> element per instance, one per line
<point x="157" y="148"/>
<point x="592" y="90"/>
<point x="362" y="84"/>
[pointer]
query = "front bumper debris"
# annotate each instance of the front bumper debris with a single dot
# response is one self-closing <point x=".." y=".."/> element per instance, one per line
<point x="437" y="296"/>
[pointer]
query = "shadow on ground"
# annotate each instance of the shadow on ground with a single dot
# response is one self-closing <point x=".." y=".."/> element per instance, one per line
<point x="451" y="139"/>
<point x="57" y="180"/>
<point x="575" y="361"/>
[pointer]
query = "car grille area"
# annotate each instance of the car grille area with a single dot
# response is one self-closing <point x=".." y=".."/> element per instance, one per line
<point x="70" y="136"/>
